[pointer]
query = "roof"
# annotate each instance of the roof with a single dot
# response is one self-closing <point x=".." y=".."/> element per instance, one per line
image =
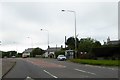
<point x="53" y="49"/>
<point x="115" y="42"/>
<point x="29" y="50"/>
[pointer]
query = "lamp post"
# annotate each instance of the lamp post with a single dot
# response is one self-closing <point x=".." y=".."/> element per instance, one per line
<point x="48" y="35"/>
<point x="75" y="29"/>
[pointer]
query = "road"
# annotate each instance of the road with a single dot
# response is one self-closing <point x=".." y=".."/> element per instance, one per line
<point x="51" y="68"/>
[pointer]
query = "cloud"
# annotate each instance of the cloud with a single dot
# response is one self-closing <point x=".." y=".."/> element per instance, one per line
<point x="25" y="19"/>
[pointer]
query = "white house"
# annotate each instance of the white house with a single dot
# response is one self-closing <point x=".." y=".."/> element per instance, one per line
<point x="113" y="42"/>
<point x="50" y="52"/>
<point x="27" y="52"/>
<point x="45" y="55"/>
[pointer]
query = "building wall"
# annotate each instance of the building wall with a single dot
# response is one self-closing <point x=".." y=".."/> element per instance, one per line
<point x="26" y="55"/>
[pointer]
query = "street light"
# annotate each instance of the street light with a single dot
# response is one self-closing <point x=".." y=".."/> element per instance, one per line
<point x="48" y="35"/>
<point x="75" y="29"/>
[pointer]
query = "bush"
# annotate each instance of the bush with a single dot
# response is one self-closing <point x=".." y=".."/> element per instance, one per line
<point x="105" y="51"/>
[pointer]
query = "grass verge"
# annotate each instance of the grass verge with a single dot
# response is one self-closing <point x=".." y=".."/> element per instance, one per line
<point x="97" y="62"/>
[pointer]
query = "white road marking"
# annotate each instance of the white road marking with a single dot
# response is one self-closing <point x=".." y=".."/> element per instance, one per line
<point x="85" y="71"/>
<point x="28" y="78"/>
<point x="100" y="67"/>
<point x="62" y="66"/>
<point x="112" y="68"/>
<point x="50" y="74"/>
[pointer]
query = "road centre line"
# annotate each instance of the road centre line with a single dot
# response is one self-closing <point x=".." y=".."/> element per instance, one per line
<point x="101" y="67"/>
<point x="50" y="74"/>
<point x="28" y="78"/>
<point x="85" y="71"/>
<point x="62" y="66"/>
<point x="112" y="68"/>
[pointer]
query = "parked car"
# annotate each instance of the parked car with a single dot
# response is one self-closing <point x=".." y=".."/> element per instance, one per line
<point x="61" y="57"/>
<point x="13" y="56"/>
<point x="24" y="56"/>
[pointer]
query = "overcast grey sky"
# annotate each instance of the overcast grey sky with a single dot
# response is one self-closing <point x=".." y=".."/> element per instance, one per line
<point x="20" y="20"/>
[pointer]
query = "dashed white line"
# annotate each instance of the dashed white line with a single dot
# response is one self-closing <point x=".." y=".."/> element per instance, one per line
<point x="50" y="74"/>
<point x="62" y="66"/>
<point x="85" y="71"/>
<point x="112" y="68"/>
<point x="28" y="78"/>
<point x="101" y="67"/>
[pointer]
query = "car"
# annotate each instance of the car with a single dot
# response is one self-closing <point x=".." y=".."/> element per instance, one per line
<point x="61" y="58"/>
<point x="13" y="56"/>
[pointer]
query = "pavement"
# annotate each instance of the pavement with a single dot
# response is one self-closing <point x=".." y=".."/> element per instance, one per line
<point x="51" y="68"/>
<point x="7" y="65"/>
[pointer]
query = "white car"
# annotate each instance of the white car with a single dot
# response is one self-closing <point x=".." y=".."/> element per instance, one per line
<point x="61" y="57"/>
<point x="13" y="56"/>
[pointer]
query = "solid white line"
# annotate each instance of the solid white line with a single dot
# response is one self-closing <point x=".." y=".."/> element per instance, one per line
<point x="85" y="71"/>
<point x="50" y="74"/>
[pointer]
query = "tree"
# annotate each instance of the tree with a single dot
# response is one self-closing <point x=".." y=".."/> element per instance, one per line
<point x="19" y="55"/>
<point x="12" y="53"/>
<point x="86" y="44"/>
<point x="37" y="51"/>
<point x="9" y="53"/>
<point x="5" y="54"/>
<point x="97" y="44"/>
<point x="71" y="43"/>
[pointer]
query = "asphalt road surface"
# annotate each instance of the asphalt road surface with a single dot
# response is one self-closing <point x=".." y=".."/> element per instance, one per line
<point x="51" y="68"/>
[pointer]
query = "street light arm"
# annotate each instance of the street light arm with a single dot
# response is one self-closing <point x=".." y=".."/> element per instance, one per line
<point x="67" y="10"/>
<point x="70" y="11"/>
<point x="44" y="30"/>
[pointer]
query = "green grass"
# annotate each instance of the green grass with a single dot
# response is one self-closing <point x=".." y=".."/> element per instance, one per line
<point x="97" y="62"/>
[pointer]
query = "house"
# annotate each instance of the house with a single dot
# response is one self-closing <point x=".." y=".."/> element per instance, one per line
<point x="114" y="42"/>
<point x="50" y="52"/>
<point x="27" y="52"/>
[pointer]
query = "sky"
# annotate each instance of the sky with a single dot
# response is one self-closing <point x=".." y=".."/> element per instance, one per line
<point x="21" y="22"/>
